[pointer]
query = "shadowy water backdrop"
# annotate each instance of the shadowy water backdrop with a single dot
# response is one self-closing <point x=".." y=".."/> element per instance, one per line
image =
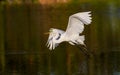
<point x="22" y="40"/>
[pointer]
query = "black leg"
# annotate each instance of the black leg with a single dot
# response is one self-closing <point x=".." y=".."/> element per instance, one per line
<point x="84" y="50"/>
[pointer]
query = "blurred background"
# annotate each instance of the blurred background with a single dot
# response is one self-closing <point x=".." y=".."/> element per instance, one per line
<point x="22" y="40"/>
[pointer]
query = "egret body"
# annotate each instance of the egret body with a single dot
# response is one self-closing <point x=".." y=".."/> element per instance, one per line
<point x="72" y="34"/>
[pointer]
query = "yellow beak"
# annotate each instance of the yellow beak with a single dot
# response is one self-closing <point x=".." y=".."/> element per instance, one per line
<point x="47" y="33"/>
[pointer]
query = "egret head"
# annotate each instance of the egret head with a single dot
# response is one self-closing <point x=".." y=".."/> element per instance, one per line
<point x="53" y="31"/>
<point x="54" y="36"/>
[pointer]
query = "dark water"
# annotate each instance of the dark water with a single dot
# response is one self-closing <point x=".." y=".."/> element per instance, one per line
<point x="22" y="42"/>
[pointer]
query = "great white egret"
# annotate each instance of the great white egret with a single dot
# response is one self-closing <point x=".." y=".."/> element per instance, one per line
<point x="72" y="34"/>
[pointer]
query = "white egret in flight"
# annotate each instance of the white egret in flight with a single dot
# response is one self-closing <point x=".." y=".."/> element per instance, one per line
<point x="72" y="34"/>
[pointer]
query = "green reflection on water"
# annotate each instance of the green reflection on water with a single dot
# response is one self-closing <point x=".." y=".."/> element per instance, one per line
<point x="22" y="45"/>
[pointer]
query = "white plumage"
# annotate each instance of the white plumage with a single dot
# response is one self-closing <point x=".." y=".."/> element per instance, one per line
<point x="75" y="27"/>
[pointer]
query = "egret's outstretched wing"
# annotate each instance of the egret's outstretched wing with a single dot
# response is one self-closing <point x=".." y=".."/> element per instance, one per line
<point x="76" y="23"/>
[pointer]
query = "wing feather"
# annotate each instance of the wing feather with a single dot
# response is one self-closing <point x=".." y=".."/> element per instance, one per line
<point x="76" y="23"/>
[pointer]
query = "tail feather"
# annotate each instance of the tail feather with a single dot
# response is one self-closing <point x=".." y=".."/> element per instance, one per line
<point x="82" y="38"/>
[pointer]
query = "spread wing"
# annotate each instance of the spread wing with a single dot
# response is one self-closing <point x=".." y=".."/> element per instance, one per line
<point x="76" y="23"/>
